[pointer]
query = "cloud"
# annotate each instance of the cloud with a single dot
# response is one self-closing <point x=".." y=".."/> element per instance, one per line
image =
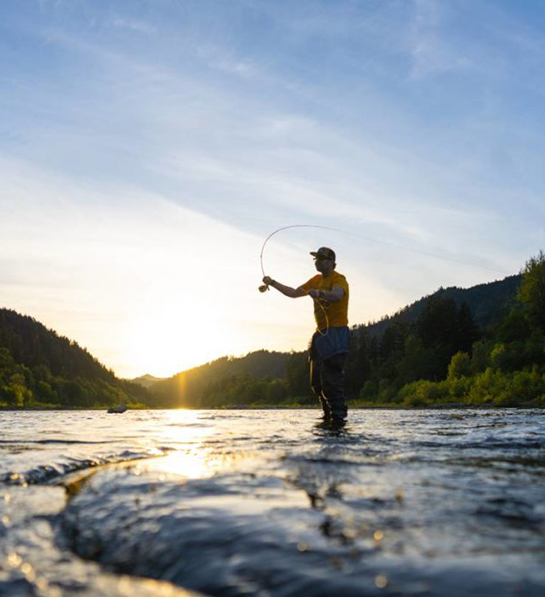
<point x="132" y="25"/>
<point x="432" y="54"/>
<point x="143" y="284"/>
<point x="135" y="137"/>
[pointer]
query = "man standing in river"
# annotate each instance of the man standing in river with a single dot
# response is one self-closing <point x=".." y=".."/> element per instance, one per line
<point x="329" y="345"/>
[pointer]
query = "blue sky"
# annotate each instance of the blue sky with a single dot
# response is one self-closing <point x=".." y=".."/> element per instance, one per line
<point x="147" y="148"/>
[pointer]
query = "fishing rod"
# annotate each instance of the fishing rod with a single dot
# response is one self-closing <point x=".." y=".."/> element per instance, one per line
<point x="265" y="287"/>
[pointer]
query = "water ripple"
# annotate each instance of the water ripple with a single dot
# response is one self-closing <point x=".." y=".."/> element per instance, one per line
<point x="268" y="502"/>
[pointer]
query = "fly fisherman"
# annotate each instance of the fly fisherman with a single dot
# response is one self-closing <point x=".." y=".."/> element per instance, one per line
<point x="329" y="344"/>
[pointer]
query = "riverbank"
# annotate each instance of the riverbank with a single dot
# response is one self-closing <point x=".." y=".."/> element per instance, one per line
<point x="445" y="406"/>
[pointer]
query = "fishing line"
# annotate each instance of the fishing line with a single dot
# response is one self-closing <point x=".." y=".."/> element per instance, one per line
<point x="372" y="240"/>
<point x="265" y="287"/>
<point x="287" y="228"/>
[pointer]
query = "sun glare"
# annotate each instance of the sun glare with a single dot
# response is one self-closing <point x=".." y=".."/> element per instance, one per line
<point x="165" y="341"/>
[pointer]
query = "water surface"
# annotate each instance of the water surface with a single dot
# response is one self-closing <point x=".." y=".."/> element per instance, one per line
<point x="268" y="503"/>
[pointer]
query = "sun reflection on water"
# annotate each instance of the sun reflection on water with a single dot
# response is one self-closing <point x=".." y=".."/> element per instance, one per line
<point x="191" y="464"/>
<point x="196" y="454"/>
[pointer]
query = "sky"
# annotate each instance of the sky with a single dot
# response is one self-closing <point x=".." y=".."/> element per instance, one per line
<point x="148" y="148"/>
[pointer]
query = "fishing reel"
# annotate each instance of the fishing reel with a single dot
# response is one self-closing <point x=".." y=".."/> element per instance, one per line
<point x="264" y="288"/>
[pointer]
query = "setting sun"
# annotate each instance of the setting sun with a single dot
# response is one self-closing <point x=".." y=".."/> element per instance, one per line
<point x="169" y="340"/>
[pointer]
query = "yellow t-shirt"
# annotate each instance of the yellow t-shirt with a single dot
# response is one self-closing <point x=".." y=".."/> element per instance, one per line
<point x="336" y="314"/>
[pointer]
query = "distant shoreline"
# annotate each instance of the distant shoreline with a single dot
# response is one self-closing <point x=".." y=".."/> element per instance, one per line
<point x="461" y="406"/>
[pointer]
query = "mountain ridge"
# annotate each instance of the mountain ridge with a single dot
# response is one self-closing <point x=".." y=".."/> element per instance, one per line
<point x="499" y="293"/>
<point x="38" y="364"/>
<point x="488" y="302"/>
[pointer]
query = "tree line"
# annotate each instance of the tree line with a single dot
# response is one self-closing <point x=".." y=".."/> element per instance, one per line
<point x="444" y="358"/>
<point x="433" y="352"/>
<point x="40" y="368"/>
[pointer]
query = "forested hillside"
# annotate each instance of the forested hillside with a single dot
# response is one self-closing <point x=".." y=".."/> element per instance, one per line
<point x="417" y="343"/>
<point x="39" y="367"/>
<point x="485" y="344"/>
<point x="227" y="380"/>
<point x="487" y="303"/>
<point x="504" y="366"/>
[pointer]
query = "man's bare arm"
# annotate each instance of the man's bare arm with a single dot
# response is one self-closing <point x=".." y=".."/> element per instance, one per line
<point x="285" y="290"/>
<point x="332" y="296"/>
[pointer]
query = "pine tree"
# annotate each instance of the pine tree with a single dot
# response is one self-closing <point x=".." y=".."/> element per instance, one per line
<point x="467" y="331"/>
<point x="532" y="290"/>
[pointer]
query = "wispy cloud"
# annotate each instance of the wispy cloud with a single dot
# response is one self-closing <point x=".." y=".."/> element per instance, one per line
<point x="132" y="25"/>
<point x="142" y="135"/>
<point x="431" y="53"/>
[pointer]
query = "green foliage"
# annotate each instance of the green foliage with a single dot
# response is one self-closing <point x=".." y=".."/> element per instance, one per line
<point x="509" y="389"/>
<point x="467" y="333"/>
<point x="514" y="326"/>
<point x="244" y="391"/>
<point x="437" y="325"/>
<point x="13" y="389"/>
<point x="410" y="352"/>
<point x="420" y="393"/>
<point x="39" y="368"/>
<point x="491" y="387"/>
<point x="439" y="357"/>
<point x="446" y="359"/>
<point x="460" y="366"/>
<point x="297" y="376"/>
<point x="46" y="394"/>
<point x="14" y="392"/>
<point x="417" y="361"/>
<point x="480" y="356"/>
<point x="430" y="353"/>
<point x="188" y="388"/>
<point x="369" y="392"/>
<point x="532" y="291"/>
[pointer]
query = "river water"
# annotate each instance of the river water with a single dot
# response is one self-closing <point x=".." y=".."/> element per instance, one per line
<point x="399" y="502"/>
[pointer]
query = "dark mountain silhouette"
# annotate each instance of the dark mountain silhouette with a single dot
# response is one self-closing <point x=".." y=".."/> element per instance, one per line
<point x="488" y="303"/>
<point x="30" y="343"/>
<point x="147" y="380"/>
<point x="37" y="365"/>
<point x="186" y="388"/>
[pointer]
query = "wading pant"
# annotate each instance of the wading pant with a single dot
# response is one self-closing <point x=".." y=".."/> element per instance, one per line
<point x="327" y="382"/>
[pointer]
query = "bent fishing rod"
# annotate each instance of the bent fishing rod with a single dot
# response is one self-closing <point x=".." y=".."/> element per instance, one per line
<point x="265" y="287"/>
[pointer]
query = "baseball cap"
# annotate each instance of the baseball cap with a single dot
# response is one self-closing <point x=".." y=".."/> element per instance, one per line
<point x="323" y="253"/>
